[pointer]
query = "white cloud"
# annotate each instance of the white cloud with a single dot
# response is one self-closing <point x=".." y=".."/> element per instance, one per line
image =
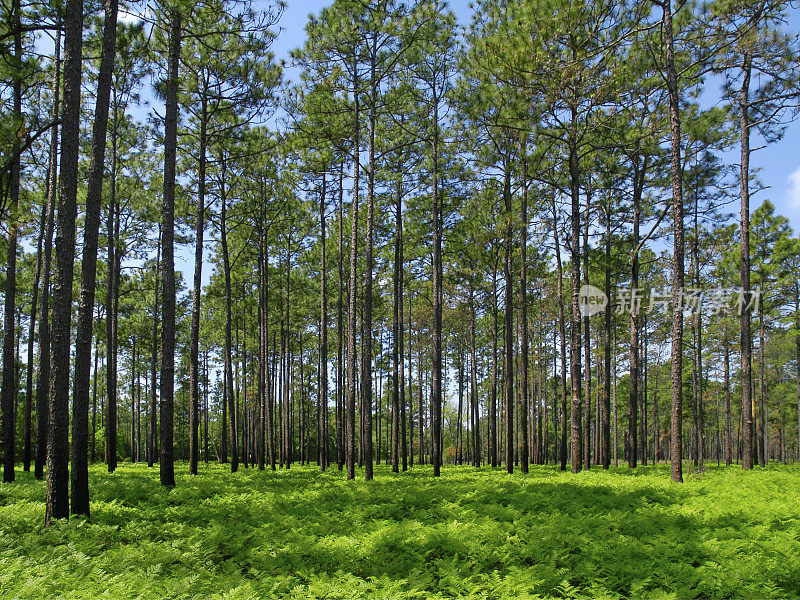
<point x="793" y="193"/>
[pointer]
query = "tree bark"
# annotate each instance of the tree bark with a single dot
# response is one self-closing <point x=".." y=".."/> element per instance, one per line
<point x="83" y="340"/>
<point x="509" y="322"/>
<point x="226" y="267"/>
<point x="166" y="465"/>
<point x="57" y="503"/>
<point x="575" y="329"/>
<point x="194" y="341"/>
<point x="746" y="344"/>
<point x="43" y="372"/>
<point x="323" y="341"/>
<point x="8" y="395"/>
<point x="351" y="313"/>
<point x="676" y="441"/>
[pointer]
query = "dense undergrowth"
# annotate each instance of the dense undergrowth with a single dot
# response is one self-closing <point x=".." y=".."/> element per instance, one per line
<point x="473" y="533"/>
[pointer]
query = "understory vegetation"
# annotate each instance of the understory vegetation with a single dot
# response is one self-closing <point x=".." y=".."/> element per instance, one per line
<point x="481" y="533"/>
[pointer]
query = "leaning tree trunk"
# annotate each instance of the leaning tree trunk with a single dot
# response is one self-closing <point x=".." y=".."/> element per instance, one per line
<point x="83" y="340"/>
<point x="166" y="465"/>
<point x="57" y="504"/>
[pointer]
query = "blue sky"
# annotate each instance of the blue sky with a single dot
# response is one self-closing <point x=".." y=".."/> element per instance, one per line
<point x="778" y="165"/>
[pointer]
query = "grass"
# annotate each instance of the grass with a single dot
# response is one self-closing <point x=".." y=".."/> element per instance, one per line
<point x="472" y="533"/>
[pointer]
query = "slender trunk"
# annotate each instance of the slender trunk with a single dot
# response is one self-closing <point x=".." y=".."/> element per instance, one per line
<point x="606" y="446"/>
<point x="727" y="384"/>
<point x="93" y="443"/>
<point x="562" y="336"/>
<point x="587" y="354"/>
<point x="57" y="504"/>
<point x="509" y="327"/>
<point x="575" y="329"/>
<point x="323" y="342"/>
<point x="351" y="313"/>
<point x="166" y="465"/>
<point x="340" y="329"/>
<point x="28" y="431"/>
<point x="746" y="346"/>
<point x="366" y="343"/>
<point x="493" y="399"/>
<point x="436" y="358"/>
<point x="523" y="285"/>
<point x="633" y="399"/>
<point x="476" y="436"/>
<point x="397" y="339"/>
<point x="43" y="372"/>
<point x="677" y="257"/>
<point x="111" y="343"/>
<point x="226" y="267"/>
<point x="83" y="340"/>
<point x="9" y="390"/>
<point x="153" y="450"/>
<point x="194" y="341"/>
<point x="762" y="391"/>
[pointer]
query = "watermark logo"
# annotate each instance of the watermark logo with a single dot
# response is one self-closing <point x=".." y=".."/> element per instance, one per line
<point x="591" y="300"/>
<point x="712" y="301"/>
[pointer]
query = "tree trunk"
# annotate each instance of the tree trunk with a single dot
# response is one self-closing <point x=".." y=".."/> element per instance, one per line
<point x="523" y="285"/>
<point x="57" y="504"/>
<point x="323" y="341"/>
<point x="677" y="258"/>
<point x="351" y="313"/>
<point x="562" y="336"/>
<point x="43" y="372"/>
<point x="436" y="358"/>
<point x="397" y="336"/>
<point x="83" y="340"/>
<point x="232" y="417"/>
<point x="28" y="430"/>
<point x="194" y="341"/>
<point x="476" y="435"/>
<point x="166" y="465"/>
<point x="746" y="344"/>
<point x="633" y="399"/>
<point x="509" y="322"/>
<point x="575" y="329"/>
<point x="587" y="353"/>
<point x="763" y="449"/>
<point x="606" y="446"/>
<point x="153" y="450"/>
<point x="9" y="390"/>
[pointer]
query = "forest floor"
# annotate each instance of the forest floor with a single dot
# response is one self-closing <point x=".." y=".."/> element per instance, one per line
<point x="472" y="533"/>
